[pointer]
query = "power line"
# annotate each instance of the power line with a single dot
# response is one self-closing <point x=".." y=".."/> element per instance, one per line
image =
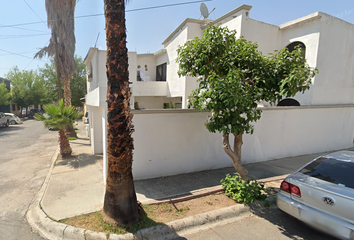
<point x="102" y="14"/>
<point x="7" y="54"/>
<point x="22" y="36"/>
<point x="168" y="5"/>
<point x="18" y="54"/>
<point x="35" y="12"/>
<point x="26" y="29"/>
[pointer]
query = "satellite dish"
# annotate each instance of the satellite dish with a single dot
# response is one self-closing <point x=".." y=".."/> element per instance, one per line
<point x="204" y="11"/>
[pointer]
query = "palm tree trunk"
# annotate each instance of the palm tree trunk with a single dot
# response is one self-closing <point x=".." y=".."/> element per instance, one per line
<point x="67" y="91"/>
<point x="70" y="131"/>
<point x="65" y="149"/>
<point x="56" y="56"/>
<point x="235" y="154"/>
<point x="120" y="202"/>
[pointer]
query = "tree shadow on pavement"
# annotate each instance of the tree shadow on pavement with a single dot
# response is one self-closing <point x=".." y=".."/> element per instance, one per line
<point x="10" y="130"/>
<point x="288" y="225"/>
<point x="79" y="143"/>
<point x="158" y="232"/>
<point x="87" y="160"/>
<point x="181" y="184"/>
<point x="77" y="161"/>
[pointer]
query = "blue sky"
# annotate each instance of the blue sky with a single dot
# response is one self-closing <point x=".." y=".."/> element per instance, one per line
<point x="23" y="31"/>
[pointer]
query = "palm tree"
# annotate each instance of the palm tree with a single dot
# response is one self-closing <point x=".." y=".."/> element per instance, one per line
<point x="58" y="117"/>
<point x="120" y="202"/>
<point x="60" y="19"/>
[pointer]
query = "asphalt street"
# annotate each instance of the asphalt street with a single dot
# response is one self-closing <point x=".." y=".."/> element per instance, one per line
<point x="267" y="224"/>
<point x="25" y="154"/>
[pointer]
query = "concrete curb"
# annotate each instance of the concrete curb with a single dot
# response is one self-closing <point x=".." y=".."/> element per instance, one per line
<point x="53" y="230"/>
<point x="171" y="229"/>
<point x="50" y="229"/>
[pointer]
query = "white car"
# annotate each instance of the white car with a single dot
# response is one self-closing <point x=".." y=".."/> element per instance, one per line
<point x="321" y="194"/>
<point x="13" y="118"/>
<point x="86" y="118"/>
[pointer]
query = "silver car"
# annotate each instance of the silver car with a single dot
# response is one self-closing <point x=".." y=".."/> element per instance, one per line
<point x="13" y="118"/>
<point x="321" y="194"/>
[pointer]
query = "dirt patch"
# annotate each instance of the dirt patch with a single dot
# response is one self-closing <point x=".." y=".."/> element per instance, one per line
<point x="167" y="212"/>
<point x="157" y="214"/>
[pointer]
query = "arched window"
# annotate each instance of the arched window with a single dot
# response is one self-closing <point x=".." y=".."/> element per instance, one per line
<point x="288" y="102"/>
<point x="291" y="47"/>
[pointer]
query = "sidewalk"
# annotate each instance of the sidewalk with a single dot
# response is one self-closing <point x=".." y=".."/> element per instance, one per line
<point x="75" y="186"/>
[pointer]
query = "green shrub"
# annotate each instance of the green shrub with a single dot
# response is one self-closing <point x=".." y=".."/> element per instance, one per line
<point x="241" y="190"/>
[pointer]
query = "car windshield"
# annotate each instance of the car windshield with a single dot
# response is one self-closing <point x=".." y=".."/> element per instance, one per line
<point x="331" y="170"/>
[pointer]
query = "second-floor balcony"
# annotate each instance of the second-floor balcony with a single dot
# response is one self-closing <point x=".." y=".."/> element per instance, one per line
<point x="151" y="88"/>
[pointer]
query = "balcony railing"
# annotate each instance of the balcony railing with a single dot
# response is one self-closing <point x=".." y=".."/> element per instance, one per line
<point x="151" y="88"/>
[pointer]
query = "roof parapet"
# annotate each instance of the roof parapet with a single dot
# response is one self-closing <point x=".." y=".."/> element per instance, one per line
<point x="241" y="8"/>
<point x="301" y="20"/>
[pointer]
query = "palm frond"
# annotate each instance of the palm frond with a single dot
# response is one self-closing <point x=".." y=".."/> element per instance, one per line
<point x="58" y="116"/>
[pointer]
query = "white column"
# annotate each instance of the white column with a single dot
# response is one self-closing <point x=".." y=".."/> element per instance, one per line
<point x="104" y="141"/>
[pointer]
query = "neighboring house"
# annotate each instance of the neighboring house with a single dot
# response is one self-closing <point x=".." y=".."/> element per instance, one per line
<point x="326" y="111"/>
<point x="10" y="108"/>
<point x="5" y="108"/>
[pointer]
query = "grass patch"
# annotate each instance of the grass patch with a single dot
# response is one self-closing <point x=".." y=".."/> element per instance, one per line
<point x="93" y="221"/>
<point x="155" y="214"/>
<point x="72" y="138"/>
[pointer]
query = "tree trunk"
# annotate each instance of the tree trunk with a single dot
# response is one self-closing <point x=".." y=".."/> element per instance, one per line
<point x="67" y="91"/>
<point x="120" y="202"/>
<point x="235" y="154"/>
<point x="70" y="131"/>
<point x="56" y="56"/>
<point x="65" y="149"/>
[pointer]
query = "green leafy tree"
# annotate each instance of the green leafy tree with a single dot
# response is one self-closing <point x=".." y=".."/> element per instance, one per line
<point x="5" y="95"/>
<point x="77" y="82"/>
<point x="233" y="77"/>
<point x="27" y="87"/>
<point x="58" y="117"/>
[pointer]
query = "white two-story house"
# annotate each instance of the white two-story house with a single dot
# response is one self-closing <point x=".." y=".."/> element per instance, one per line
<point x="327" y="43"/>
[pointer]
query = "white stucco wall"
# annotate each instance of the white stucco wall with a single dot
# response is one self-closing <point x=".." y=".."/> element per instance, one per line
<point x="194" y="30"/>
<point x="264" y="34"/>
<point x="162" y="58"/>
<point x="176" y="84"/>
<point x="174" y="142"/>
<point x="309" y="34"/>
<point x="150" y="61"/>
<point x="96" y="129"/>
<point x="155" y="102"/>
<point x="294" y="131"/>
<point x="233" y="23"/>
<point x="132" y="68"/>
<point x="335" y="82"/>
<point x="153" y="88"/>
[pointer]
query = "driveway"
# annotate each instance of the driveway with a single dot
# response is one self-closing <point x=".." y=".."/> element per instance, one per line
<point x="25" y="157"/>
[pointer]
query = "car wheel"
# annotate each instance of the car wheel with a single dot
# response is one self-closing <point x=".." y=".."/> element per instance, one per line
<point x="13" y="122"/>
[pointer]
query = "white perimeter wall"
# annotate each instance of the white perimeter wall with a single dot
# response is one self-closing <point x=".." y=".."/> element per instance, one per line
<point x="171" y="142"/>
